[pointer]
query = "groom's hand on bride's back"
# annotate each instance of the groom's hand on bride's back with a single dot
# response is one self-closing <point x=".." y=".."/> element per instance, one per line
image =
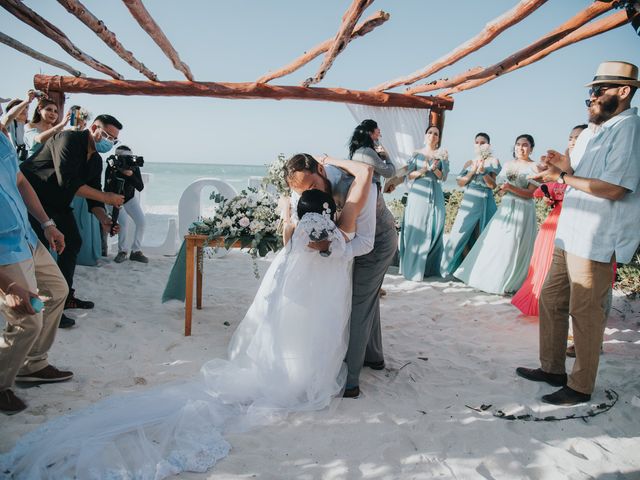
<point x="321" y="246"/>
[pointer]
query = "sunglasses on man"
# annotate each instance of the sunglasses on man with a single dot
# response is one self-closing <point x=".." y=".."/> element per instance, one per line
<point x="597" y="91"/>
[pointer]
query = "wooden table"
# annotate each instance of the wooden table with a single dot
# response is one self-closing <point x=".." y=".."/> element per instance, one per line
<point x="195" y="244"/>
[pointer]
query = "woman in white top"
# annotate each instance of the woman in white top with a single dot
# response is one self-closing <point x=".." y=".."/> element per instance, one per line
<point x="43" y="125"/>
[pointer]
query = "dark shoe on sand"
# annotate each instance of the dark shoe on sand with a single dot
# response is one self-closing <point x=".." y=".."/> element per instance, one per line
<point x="539" y="375"/>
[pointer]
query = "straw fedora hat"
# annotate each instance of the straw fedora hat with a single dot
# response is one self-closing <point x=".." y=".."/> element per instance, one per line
<point x="616" y="73"/>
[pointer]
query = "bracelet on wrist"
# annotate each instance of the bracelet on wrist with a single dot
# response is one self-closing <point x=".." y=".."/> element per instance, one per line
<point x="48" y="223"/>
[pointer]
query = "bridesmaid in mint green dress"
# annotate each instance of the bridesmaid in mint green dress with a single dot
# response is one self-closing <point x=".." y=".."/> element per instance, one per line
<point x="421" y="237"/>
<point x="499" y="261"/>
<point x="478" y="177"/>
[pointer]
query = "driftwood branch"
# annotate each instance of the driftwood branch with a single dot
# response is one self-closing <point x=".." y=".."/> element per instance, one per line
<point x="342" y="39"/>
<point x="107" y="36"/>
<point x="611" y="22"/>
<point x="486" y="36"/>
<point x="150" y="26"/>
<point x="21" y="47"/>
<point x="361" y="30"/>
<point x="575" y="22"/>
<point x="31" y="18"/>
<point x="236" y="91"/>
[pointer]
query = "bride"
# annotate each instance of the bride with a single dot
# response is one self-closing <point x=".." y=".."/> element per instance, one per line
<point x="285" y="356"/>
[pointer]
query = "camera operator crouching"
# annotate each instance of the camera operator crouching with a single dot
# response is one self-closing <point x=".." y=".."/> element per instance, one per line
<point x="123" y="176"/>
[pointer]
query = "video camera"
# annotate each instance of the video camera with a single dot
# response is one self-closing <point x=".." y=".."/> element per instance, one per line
<point x="125" y="161"/>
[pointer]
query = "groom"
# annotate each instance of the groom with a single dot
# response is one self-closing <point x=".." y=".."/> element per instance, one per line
<point x="374" y="247"/>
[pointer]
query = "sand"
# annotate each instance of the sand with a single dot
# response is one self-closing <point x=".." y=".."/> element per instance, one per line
<point x="447" y="347"/>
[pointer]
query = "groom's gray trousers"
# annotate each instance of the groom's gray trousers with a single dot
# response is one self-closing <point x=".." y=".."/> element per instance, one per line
<point x="365" y="336"/>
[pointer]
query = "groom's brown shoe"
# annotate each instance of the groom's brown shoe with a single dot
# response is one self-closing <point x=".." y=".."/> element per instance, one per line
<point x="539" y="375"/>
<point x="351" y="392"/>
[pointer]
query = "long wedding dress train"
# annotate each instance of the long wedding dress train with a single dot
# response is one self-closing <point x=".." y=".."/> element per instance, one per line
<point x="286" y="356"/>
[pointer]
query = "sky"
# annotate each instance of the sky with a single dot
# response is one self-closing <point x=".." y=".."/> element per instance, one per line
<point x="238" y="41"/>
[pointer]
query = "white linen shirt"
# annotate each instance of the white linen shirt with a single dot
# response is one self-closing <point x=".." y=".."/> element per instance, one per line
<point x="595" y="228"/>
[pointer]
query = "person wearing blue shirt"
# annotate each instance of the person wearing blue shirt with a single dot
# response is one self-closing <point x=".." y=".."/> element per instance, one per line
<point x="598" y="226"/>
<point x="26" y="271"/>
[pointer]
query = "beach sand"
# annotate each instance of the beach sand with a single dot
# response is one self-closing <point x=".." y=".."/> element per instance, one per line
<point x="446" y="346"/>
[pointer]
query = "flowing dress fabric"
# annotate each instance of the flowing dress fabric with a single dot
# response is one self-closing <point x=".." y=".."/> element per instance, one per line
<point x="90" y="232"/>
<point x="499" y="260"/>
<point x="421" y="236"/>
<point x="286" y="356"/>
<point x="476" y="209"/>
<point x="526" y="299"/>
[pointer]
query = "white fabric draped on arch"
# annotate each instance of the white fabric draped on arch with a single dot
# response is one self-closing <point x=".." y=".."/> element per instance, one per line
<point x="402" y="129"/>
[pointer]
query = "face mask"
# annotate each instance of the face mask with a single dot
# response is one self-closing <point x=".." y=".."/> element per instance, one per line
<point x="104" y="145"/>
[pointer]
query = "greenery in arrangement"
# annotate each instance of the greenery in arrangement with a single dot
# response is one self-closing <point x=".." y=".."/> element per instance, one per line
<point x="628" y="279"/>
<point x="276" y="175"/>
<point x="250" y="219"/>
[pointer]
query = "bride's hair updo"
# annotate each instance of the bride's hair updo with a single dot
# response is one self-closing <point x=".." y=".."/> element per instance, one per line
<point x="316" y="201"/>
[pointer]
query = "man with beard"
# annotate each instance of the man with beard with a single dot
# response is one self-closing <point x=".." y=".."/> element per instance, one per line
<point x="598" y="227"/>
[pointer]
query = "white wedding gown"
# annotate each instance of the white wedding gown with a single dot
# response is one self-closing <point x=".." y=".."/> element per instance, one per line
<point x="285" y="356"/>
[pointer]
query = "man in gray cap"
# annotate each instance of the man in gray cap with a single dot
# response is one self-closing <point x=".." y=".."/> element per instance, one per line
<point x="598" y="227"/>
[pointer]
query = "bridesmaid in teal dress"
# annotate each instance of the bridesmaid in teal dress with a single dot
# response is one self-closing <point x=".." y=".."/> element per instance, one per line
<point x="478" y="177"/>
<point x="499" y="261"/>
<point x="421" y="237"/>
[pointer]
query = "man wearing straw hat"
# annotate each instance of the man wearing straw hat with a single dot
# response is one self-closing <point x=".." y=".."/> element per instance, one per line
<point x="598" y="226"/>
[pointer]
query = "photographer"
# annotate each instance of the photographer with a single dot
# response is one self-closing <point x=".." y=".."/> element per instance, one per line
<point x="123" y="176"/>
<point x="69" y="164"/>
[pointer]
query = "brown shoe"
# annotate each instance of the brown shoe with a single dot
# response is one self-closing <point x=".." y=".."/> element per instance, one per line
<point x="571" y="351"/>
<point x="353" y="392"/>
<point x="9" y="403"/>
<point x="48" y="374"/>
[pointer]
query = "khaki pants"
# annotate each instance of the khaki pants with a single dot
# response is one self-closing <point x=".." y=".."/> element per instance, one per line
<point x="28" y="338"/>
<point x="578" y="287"/>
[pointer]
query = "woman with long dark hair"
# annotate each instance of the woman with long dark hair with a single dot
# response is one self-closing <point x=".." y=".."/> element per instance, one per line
<point x="499" y="260"/>
<point x="421" y="236"/>
<point x="365" y="146"/>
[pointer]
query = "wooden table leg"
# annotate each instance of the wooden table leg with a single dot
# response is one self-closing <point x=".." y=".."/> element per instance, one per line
<point x="199" y="268"/>
<point x="188" y="303"/>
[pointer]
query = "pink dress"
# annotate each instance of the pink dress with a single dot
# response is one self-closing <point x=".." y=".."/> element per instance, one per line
<point x="526" y="299"/>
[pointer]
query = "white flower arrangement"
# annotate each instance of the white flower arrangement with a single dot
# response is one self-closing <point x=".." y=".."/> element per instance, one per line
<point x="441" y="154"/>
<point x="483" y="151"/>
<point x="276" y="175"/>
<point x="251" y="219"/>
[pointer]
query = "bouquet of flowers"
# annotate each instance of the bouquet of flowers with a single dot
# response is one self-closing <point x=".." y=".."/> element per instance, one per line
<point x="511" y="176"/>
<point x="483" y="151"/>
<point x="251" y="219"/>
<point x="441" y="155"/>
<point x="276" y="175"/>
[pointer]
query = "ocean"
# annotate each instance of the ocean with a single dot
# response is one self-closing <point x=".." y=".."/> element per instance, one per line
<point x="167" y="181"/>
